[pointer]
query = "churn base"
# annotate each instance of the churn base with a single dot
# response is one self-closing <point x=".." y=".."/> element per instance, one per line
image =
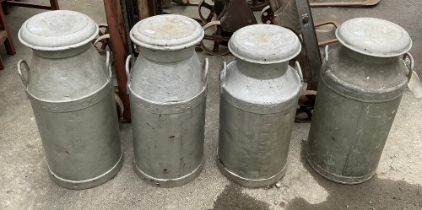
<point x="337" y="178"/>
<point x="167" y="183"/>
<point x="88" y="183"/>
<point x="251" y="183"/>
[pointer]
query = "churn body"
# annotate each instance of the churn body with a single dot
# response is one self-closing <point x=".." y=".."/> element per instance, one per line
<point x="361" y="86"/>
<point x="71" y="94"/>
<point x="259" y="93"/>
<point x="168" y="87"/>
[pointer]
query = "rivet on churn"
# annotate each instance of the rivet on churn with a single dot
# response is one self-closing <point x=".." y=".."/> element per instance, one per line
<point x="73" y="104"/>
<point x="359" y="93"/>
<point x="168" y="88"/>
<point x="259" y="95"/>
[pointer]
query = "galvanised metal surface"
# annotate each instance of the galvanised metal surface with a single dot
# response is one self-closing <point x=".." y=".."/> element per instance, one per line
<point x="259" y="93"/>
<point x="72" y="98"/>
<point x="168" y="88"/>
<point x="359" y="93"/>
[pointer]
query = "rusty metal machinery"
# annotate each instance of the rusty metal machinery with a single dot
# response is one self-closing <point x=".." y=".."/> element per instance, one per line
<point x="257" y="5"/>
<point x="225" y="24"/>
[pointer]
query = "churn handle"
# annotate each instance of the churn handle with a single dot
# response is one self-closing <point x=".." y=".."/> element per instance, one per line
<point x="326" y="53"/>
<point x="127" y="69"/>
<point x="24" y="79"/>
<point x="127" y="66"/>
<point x="411" y="65"/>
<point x="325" y="59"/>
<point x="223" y="76"/>
<point x="299" y="71"/>
<point x="223" y="72"/>
<point x="108" y="64"/>
<point x="100" y="38"/>
<point x="205" y="72"/>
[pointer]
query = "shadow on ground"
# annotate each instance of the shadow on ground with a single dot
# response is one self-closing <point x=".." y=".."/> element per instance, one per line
<point x="374" y="194"/>
<point x="232" y="198"/>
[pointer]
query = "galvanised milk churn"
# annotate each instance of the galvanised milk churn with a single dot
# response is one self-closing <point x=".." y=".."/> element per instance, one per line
<point x="259" y="95"/>
<point x="168" y="88"/>
<point x="71" y="94"/>
<point x="360" y="89"/>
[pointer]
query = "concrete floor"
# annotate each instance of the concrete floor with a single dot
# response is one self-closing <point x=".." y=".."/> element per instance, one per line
<point x="25" y="183"/>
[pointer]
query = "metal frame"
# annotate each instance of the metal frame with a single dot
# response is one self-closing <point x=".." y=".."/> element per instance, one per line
<point x="310" y="42"/>
<point x="118" y="44"/>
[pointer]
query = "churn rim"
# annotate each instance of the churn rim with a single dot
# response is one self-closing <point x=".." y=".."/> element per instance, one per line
<point x="57" y="30"/>
<point x="167" y="32"/>
<point x="265" y="44"/>
<point x="374" y="37"/>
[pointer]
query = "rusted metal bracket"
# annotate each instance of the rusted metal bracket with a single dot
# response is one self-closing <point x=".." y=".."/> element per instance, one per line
<point x="329" y="41"/>
<point x="365" y="3"/>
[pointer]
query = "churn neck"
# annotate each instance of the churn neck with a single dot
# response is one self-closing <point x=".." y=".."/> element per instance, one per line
<point x="167" y="56"/>
<point x="262" y="71"/>
<point x="62" y="53"/>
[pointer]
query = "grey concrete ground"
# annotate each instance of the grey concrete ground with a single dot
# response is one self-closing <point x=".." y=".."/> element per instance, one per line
<point x="25" y="183"/>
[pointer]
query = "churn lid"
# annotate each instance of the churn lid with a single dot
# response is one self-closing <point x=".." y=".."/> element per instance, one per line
<point x="58" y="30"/>
<point x="264" y="44"/>
<point x="167" y="32"/>
<point x="374" y="37"/>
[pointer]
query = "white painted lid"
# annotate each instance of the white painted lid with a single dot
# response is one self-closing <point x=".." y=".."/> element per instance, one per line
<point x="374" y="37"/>
<point x="57" y="30"/>
<point x="167" y="32"/>
<point x="264" y="44"/>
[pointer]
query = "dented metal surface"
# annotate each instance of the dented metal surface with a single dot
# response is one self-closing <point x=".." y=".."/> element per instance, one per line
<point x="72" y="98"/>
<point x="168" y="88"/>
<point x="259" y="93"/>
<point x="361" y="85"/>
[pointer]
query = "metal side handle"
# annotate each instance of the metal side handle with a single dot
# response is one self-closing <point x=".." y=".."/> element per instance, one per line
<point x="326" y="53"/>
<point x="325" y="60"/>
<point x="100" y="38"/>
<point x="205" y="72"/>
<point x="127" y="66"/>
<point x="299" y="72"/>
<point x="127" y="69"/>
<point x="108" y="64"/>
<point x="25" y="79"/>
<point x="223" y="76"/>
<point x="409" y="61"/>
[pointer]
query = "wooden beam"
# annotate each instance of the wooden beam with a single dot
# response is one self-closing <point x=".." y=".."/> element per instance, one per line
<point x="118" y="45"/>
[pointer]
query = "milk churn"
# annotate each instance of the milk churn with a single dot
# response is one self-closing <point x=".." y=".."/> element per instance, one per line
<point x="71" y="95"/>
<point x="259" y="95"/>
<point x="168" y="88"/>
<point x="360" y="89"/>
